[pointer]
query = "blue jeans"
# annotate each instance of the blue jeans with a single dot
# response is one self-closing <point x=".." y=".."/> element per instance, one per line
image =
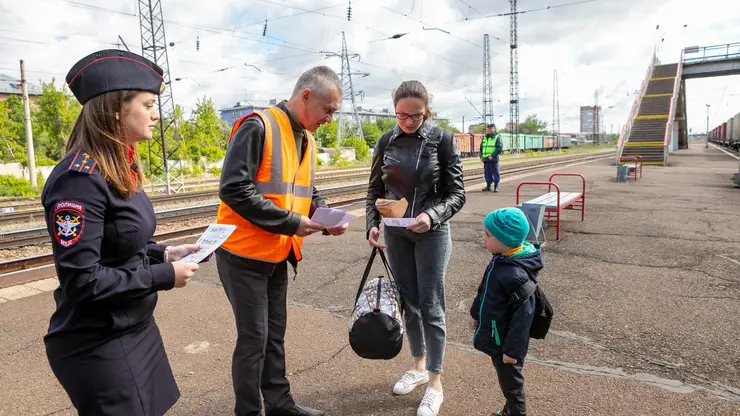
<point x="419" y="262"/>
<point x="490" y="168"/>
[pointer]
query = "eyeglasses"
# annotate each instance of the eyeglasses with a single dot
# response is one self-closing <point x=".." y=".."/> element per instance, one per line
<point x="404" y="116"/>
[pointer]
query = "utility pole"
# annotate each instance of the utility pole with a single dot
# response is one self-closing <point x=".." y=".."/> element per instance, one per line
<point x="348" y="91"/>
<point x="596" y="118"/>
<point x="555" y="110"/>
<point x="154" y="47"/>
<point x="487" y="82"/>
<point x="29" y="130"/>
<point x="514" y="77"/>
<point x="463" y="125"/>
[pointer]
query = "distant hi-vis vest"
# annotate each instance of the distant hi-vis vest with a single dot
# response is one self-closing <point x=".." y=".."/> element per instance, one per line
<point x="281" y="178"/>
<point x="489" y="145"/>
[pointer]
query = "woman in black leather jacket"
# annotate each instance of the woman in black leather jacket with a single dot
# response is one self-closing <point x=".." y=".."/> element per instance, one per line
<point x="419" y="161"/>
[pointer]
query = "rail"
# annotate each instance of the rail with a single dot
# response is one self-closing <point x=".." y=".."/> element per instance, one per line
<point x="627" y="128"/>
<point x="722" y="53"/>
<point x="672" y="113"/>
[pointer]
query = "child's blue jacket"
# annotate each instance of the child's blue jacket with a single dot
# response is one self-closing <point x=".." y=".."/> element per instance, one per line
<point x="503" y="320"/>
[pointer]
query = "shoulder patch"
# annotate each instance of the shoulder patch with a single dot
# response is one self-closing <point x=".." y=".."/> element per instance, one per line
<point x="82" y="163"/>
<point x="69" y="220"/>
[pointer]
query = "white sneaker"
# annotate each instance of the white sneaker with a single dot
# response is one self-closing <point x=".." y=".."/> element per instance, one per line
<point x="430" y="403"/>
<point x="410" y="381"/>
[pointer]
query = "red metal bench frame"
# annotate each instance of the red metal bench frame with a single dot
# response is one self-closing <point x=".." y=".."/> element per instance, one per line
<point x="552" y="214"/>
<point x="638" y="161"/>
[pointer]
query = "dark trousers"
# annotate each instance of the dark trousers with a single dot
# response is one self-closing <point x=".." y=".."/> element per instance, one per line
<point x="490" y="168"/>
<point x="511" y="381"/>
<point x="257" y="292"/>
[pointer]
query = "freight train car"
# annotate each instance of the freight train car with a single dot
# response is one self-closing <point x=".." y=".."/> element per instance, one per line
<point x="469" y="143"/>
<point x="727" y="134"/>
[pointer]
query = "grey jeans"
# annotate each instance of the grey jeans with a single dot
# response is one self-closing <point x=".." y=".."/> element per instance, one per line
<point x="419" y="263"/>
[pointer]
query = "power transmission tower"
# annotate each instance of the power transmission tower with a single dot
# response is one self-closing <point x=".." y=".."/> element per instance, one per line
<point x="348" y="90"/>
<point x="555" y="110"/>
<point x="487" y="82"/>
<point x="514" y="78"/>
<point x="154" y="47"/>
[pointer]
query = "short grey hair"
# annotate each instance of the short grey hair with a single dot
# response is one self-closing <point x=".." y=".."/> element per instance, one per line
<point x="320" y="79"/>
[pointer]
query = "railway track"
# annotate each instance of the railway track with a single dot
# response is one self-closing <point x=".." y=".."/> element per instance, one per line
<point x="17" y="265"/>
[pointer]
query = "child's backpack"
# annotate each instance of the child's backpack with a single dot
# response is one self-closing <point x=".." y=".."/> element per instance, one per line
<point x="376" y="324"/>
<point x="543" y="311"/>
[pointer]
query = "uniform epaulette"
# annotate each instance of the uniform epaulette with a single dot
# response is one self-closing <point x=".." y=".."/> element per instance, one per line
<point x="82" y="163"/>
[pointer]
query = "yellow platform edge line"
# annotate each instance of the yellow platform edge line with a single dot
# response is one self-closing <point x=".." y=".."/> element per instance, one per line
<point x="662" y="78"/>
<point x="657" y="95"/>
<point x="653" y="163"/>
<point x="652" y="117"/>
<point x="644" y="144"/>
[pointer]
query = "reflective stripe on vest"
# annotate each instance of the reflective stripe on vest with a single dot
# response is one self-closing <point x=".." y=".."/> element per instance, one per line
<point x="279" y="178"/>
<point x="489" y="145"/>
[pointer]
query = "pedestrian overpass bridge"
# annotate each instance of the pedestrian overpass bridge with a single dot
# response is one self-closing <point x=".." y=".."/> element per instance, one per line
<point x="657" y="124"/>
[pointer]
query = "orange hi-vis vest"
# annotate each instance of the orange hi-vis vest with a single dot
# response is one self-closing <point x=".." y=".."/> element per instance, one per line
<point x="282" y="179"/>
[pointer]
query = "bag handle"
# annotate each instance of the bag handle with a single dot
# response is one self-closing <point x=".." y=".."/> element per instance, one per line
<point x="370" y="266"/>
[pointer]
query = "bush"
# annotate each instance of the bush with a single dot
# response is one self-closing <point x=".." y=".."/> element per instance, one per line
<point x="215" y="171"/>
<point x="12" y="186"/>
<point x="362" y="151"/>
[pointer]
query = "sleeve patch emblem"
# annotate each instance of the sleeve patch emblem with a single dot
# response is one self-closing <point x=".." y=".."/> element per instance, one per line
<point x="69" y="222"/>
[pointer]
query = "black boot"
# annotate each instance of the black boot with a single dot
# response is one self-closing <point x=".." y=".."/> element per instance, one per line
<point x="487" y="188"/>
<point x="296" y="410"/>
<point x="495" y="187"/>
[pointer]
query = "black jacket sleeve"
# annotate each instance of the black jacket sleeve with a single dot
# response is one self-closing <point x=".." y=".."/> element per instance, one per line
<point x="516" y="342"/>
<point x="317" y="201"/>
<point x="82" y="278"/>
<point x="237" y="188"/>
<point x="376" y="187"/>
<point x="155" y="251"/>
<point x="453" y="190"/>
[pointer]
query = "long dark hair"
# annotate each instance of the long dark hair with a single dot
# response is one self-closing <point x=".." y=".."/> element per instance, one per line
<point x="98" y="133"/>
<point x="413" y="89"/>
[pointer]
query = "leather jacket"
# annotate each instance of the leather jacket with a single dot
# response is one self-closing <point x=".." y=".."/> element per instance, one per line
<point x="397" y="156"/>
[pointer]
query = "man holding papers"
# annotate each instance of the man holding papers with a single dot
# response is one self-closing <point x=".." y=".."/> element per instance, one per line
<point x="267" y="192"/>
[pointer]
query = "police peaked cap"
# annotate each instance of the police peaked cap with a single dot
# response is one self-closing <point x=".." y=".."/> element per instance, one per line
<point x="113" y="70"/>
<point x="491" y="125"/>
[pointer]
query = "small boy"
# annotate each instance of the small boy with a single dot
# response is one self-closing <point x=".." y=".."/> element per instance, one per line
<point x="503" y="309"/>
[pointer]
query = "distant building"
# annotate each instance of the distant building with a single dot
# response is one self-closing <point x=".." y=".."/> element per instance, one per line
<point x="12" y="86"/>
<point x="242" y="108"/>
<point x="590" y="117"/>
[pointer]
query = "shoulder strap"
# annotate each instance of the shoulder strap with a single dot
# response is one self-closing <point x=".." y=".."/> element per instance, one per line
<point x="433" y="141"/>
<point x="370" y="266"/>
<point x="524" y="291"/>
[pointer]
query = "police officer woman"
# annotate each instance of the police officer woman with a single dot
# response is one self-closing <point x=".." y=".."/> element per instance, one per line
<point x="103" y="344"/>
<point x="420" y="162"/>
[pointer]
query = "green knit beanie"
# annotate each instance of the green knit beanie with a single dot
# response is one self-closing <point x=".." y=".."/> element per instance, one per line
<point x="508" y="225"/>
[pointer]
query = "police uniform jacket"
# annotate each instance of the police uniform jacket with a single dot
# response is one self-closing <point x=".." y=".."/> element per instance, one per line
<point x="103" y="344"/>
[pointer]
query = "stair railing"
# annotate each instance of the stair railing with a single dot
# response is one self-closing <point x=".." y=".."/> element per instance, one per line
<point x="668" y="139"/>
<point x="627" y="128"/>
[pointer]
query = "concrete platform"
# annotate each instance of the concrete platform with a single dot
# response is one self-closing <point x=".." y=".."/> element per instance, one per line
<point x="646" y="294"/>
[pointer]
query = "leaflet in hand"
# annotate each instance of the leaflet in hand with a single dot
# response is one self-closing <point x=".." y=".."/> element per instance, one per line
<point x="399" y="222"/>
<point x="211" y="239"/>
<point x="330" y="217"/>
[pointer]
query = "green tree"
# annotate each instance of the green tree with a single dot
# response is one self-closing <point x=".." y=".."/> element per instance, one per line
<point x="533" y="125"/>
<point x="56" y="115"/>
<point x="446" y="125"/>
<point x="478" y="128"/>
<point x="10" y="148"/>
<point x="371" y="132"/>
<point x="326" y="134"/>
<point x="362" y="151"/>
<point x="385" y="124"/>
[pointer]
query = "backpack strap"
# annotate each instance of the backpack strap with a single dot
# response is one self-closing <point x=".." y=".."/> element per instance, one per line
<point x="523" y="292"/>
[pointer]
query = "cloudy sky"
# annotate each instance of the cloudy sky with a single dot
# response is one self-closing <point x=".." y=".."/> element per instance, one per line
<point x="602" y="45"/>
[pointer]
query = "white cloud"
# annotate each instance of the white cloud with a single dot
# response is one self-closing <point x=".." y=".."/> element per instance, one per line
<point x="603" y="44"/>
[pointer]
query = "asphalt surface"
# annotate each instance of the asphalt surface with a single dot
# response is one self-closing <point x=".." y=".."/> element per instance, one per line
<point x="646" y="294"/>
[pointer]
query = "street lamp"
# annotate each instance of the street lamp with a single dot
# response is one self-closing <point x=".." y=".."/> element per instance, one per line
<point x="706" y="146"/>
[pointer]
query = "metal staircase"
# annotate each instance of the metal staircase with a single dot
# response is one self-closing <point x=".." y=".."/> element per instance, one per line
<point x="649" y="130"/>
